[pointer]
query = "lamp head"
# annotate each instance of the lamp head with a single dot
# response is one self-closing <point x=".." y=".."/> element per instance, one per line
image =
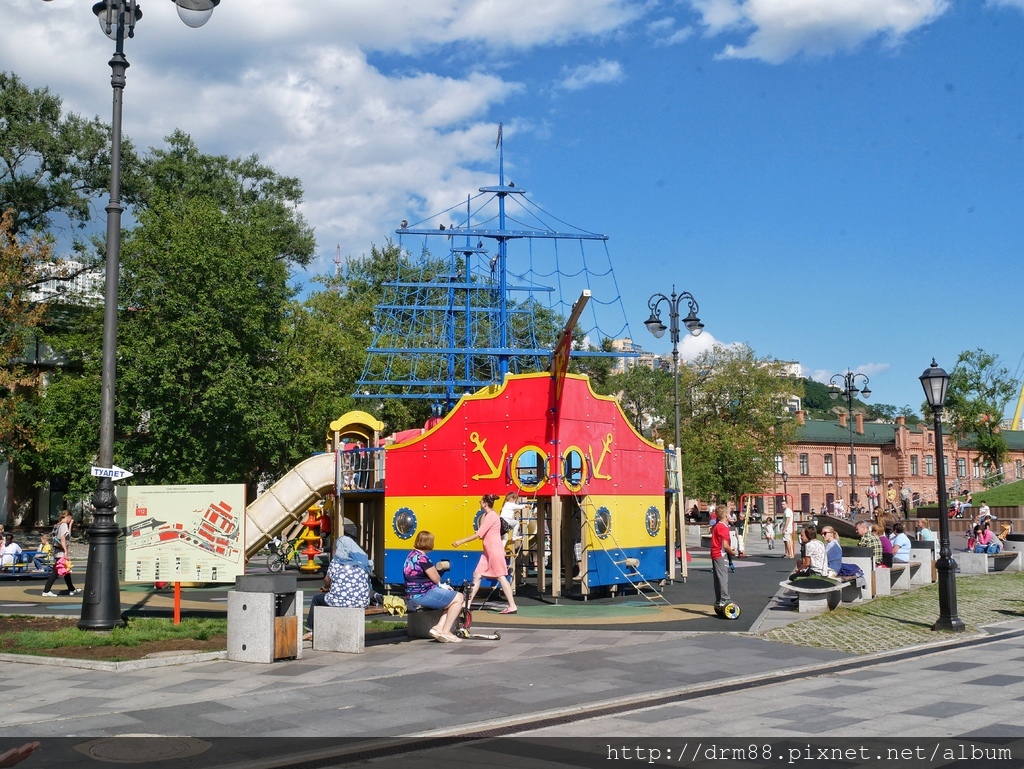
<point x="693" y="324"/>
<point x="195" y="13"/>
<point x="935" y="381"/>
<point x="655" y="326"/>
<point x="112" y="14"/>
<point x="865" y="393"/>
<point x="833" y="392"/>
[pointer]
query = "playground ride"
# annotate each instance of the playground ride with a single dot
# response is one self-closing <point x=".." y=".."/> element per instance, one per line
<point x="448" y="329"/>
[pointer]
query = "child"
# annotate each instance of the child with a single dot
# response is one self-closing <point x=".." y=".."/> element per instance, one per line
<point x="768" y="530"/>
<point x="509" y="508"/>
<point x="42" y="561"/>
<point x="721" y="546"/>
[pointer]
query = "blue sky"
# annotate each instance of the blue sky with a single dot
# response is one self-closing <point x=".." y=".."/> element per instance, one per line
<point x="839" y="184"/>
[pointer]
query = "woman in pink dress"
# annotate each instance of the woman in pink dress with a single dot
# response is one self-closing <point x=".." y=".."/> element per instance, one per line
<point x="492" y="563"/>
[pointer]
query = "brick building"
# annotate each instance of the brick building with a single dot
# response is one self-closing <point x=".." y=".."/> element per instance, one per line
<point x="818" y="472"/>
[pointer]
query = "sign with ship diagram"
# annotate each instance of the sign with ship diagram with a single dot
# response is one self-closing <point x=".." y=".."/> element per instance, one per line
<point x="181" y="533"/>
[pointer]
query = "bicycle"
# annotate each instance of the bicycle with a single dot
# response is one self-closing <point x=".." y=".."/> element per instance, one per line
<point x="282" y="556"/>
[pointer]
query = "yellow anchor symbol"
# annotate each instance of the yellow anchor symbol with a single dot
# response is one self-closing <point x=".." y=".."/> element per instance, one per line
<point x="606" y="447"/>
<point x="495" y="468"/>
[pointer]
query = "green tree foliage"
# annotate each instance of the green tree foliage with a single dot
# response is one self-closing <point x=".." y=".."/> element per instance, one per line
<point x="979" y="389"/>
<point x="735" y="422"/>
<point x="50" y="164"/>
<point x="646" y="397"/>
<point x="18" y="318"/>
<point x="206" y="303"/>
<point x="324" y="351"/>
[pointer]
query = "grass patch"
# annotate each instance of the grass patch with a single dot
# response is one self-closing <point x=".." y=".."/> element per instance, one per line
<point x="134" y="633"/>
<point x="384" y="626"/>
<point x="887" y="623"/>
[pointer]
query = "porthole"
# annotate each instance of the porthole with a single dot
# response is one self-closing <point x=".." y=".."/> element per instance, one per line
<point x="602" y="522"/>
<point x="529" y="468"/>
<point x="653" y="521"/>
<point x="404" y="523"/>
<point x="574" y="469"/>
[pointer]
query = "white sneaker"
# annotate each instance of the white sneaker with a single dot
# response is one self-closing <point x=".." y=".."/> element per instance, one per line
<point x="49" y="595"/>
<point x="75" y="592"/>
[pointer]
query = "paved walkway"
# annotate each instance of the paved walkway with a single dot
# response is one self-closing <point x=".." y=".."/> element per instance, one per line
<point x="546" y="681"/>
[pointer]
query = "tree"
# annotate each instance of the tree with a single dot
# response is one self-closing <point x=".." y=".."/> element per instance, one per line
<point x="204" y="287"/>
<point x="50" y="164"/>
<point x="735" y="421"/>
<point x="646" y="397"/>
<point x="19" y="316"/>
<point x="979" y="389"/>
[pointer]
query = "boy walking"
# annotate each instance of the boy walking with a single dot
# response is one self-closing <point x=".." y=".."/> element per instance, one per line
<point x="721" y="546"/>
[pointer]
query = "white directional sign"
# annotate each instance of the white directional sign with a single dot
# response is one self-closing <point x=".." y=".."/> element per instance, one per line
<point x="114" y="472"/>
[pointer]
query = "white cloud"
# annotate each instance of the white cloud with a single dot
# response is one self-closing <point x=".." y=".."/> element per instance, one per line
<point x="339" y="95"/>
<point x="780" y="29"/>
<point x="692" y="346"/>
<point x="867" y="369"/>
<point x="664" y="31"/>
<point x="585" y="75"/>
<point x="1006" y="3"/>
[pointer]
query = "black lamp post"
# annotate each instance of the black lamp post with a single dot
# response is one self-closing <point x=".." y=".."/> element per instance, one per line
<point x="101" y="606"/>
<point x="656" y="327"/>
<point x="785" y="480"/>
<point x="849" y="391"/>
<point x="935" y="382"/>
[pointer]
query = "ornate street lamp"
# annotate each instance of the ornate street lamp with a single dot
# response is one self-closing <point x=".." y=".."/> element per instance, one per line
<point x="849" y="391"/>
<point x="101" y="605"/>
<point x="656" y="327"/>
<point x="935" y="382"/>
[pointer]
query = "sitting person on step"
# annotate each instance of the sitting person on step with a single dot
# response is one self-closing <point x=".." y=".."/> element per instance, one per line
<point x="900" y="544"/>
<point x="814" y="562"/>
<point x="985" y="541"/>
<point x="347" y="583"/>
<point x="423" y="588"/>
<point x="868" y="538"/>
<point x="833" y="550"/>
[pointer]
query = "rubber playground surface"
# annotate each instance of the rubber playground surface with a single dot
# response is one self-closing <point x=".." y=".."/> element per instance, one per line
<point x="684" y="606"/>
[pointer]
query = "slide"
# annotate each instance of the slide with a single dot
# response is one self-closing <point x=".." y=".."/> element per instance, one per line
<point x="286" y="501"/>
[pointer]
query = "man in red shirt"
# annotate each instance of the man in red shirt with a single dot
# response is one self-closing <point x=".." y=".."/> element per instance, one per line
<point x="720" y="547"/>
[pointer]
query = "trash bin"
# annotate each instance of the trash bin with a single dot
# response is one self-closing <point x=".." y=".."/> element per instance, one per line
<point x="264" y="615"/>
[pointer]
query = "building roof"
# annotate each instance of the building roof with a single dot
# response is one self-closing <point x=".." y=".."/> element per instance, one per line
<point x="1014" y="440"/>
<point x="829" y="431"/>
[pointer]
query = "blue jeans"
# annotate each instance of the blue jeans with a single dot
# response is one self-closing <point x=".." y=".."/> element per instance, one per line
<point x="435" y="598"/>
<point x="319" y="599"/>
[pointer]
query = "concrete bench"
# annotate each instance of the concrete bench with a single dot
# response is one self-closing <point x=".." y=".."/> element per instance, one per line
<point x="891" y="579"/>
<point x="983" y="563"/>
<point x="421" y="620"/>
<point x="339" y="629"/>
<point x="1006" y="561"/>
<point x="922" y="553"/>
<point x="900" y="575"/>
<point x="971" y="563"/>
<point x="817" y="595"/>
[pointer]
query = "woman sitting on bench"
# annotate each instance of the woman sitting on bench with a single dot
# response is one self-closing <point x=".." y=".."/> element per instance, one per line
<point x="423" y="588"/>
<point x="985" y="541"/>
<point x="814" y="562"/>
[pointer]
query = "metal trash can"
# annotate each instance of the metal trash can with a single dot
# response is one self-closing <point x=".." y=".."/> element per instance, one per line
<point x="264" y="618"/>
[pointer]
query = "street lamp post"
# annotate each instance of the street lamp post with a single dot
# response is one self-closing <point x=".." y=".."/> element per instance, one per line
<point x="849" y="391"/>
<point x="935" y="382"/>
<point x="101" y="606"/>
<point x="656" y="327"/>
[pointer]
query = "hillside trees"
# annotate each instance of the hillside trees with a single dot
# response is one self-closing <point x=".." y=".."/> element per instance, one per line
<point x="979" y="390"/>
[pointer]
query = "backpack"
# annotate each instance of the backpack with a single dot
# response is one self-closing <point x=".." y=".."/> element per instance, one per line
<point x="506" y="527"/>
